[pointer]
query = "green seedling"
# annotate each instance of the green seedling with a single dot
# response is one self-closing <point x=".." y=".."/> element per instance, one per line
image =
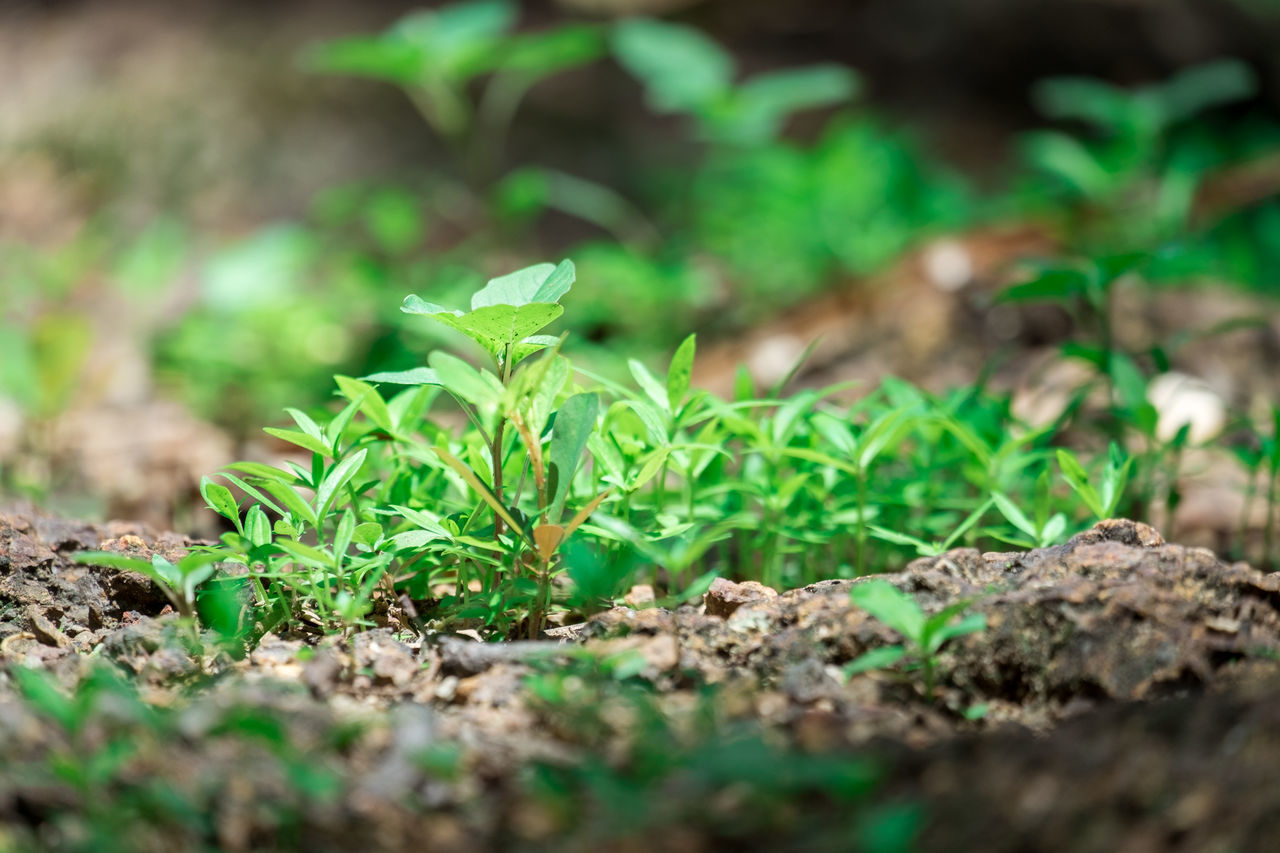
<point x="924" y="636"/>
<point x="1135" y="160"/>
<point x="563" y="487"/>
<point x="685" y="72"/>
<point x="934" y="548"/>
<point x="178" y="581"/>
<point x="1103" y="499"/>
<point x="436" y="56"/>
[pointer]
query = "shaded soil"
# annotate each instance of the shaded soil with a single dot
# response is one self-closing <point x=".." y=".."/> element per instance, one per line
<point x="1123" y="697"/>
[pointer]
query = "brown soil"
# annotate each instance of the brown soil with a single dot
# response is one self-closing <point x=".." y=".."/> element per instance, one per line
<point x="1130" y="690"/>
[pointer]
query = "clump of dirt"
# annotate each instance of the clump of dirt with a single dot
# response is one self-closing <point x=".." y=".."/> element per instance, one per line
<point x="1121" y="697"/>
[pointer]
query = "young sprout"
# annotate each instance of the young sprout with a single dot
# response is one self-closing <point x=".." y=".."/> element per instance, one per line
<point x="923" y="636"/>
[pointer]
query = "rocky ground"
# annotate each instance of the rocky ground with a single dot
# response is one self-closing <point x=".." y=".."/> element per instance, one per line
<point x="1123" y="697"/>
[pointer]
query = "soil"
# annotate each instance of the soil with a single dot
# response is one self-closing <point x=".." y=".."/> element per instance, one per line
<point x="1122" y="697"/>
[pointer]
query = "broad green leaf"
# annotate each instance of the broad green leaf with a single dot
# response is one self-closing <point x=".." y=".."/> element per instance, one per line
<point x="41" y="691"/>
<point x="891" y="606"/>
<point x="221" y="501"/>
<point x="367" y="534"/>
<point x="415" y="539"/>
<point x="495" y="327"/>
<point x="541" y="283"/>
<point x="575" y="420"/>
<point x="256" y="493"/>
<point x="256" y="526"/>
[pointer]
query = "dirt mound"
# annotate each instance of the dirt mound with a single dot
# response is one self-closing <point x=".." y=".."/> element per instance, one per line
<point x="1121" y="697"/>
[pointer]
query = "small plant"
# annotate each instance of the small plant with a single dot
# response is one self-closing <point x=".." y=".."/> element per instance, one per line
<point x="1103" y="499"/>
<point x="1135" y="160"/>
<point x="436" y="55"/>
<point x="924" y="636"/>
<point x="562" y="488"/>
<point x="683" y="71"/>
<point x="178" y="581"/>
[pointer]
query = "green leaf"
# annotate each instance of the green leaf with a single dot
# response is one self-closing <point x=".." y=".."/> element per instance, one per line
<point x="574" y="423"/>
<point x="414" y="376"/>
<point x="891" y="606"/>
<point x="1078" y="479"/>
<point x="652" y="388"/>
<point x="301" y="439"/>
<point x="257" y="470"/>
<point x="292" y="501"/>
<point x="650" y="468"/>
<point x="680" y="372"/>
<point x="495" y="327"/>
<point x="1202" y="87"/>
<point x="367" y="534"/>
<point x="541" y="283"/>
<point x="682" y="69"/>
<point x="878" y="658"/>
<point x="337" y="478"/>
<point x="221" y="501"/>
<point x="765" y="101"/>
<point x="367" y="398"/>
<point x="256" y="526"/>
<point x="1050" y="286"/>
<point x="922" y="547"/>
<point x="971" y="624"/>
<point x="1015" y="516"/>
<point x="305" y="423"/>
<point x="477" y="387"/>
<point x="1130" y="384"/>
<point x="542" y="53"/>
<point x="306" y="553"/>
<point x="41" y="691"/>
<point x="1070" y="161"/>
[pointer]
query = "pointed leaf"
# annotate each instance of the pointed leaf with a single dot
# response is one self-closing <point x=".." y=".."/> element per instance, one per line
<point x="575" y="421"/>
<point x="891" y="606"/>
<point x="337" y="478"/>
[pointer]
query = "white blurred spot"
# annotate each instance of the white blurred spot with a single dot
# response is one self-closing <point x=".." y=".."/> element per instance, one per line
<point x="1181" y="400"/>
<point x="948" y="265"/>
<point x="774" y="357"/>
<point x="10" y="427"/>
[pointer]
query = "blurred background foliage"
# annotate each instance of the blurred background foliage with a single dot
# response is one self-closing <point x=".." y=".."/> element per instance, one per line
<point x="223" y="205"/>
